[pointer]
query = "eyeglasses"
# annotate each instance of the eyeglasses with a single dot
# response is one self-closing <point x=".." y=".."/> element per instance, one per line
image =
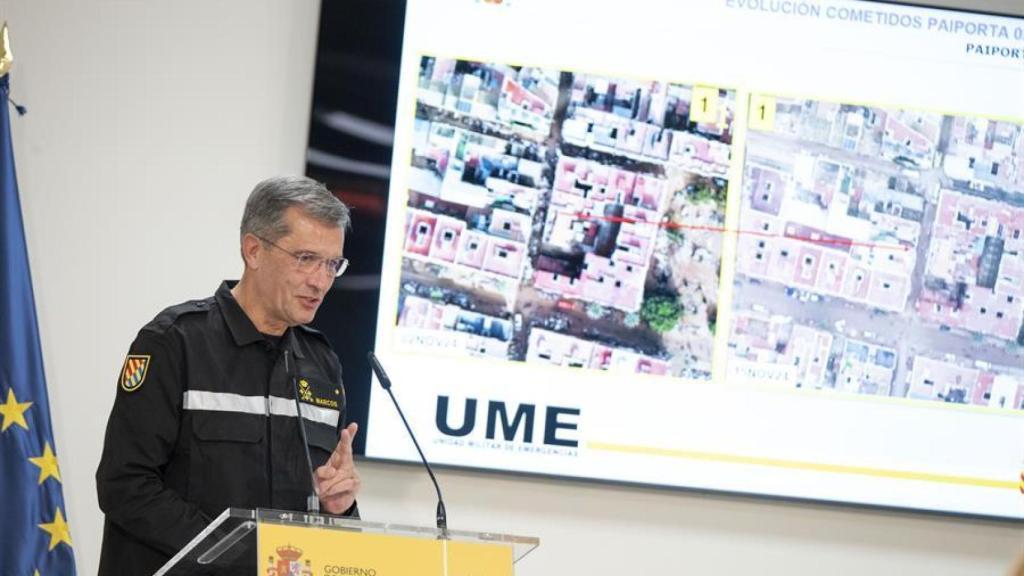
<point x="309" y="262"/>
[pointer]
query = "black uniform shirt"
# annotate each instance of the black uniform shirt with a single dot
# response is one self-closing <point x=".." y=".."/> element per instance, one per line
<point x="205" y="419"/>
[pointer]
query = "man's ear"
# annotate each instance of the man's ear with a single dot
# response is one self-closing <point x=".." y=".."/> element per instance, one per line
<point x="252" y="251"/>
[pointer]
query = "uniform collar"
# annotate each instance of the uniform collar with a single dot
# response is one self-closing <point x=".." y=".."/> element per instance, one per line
<point x="241" y="327"/>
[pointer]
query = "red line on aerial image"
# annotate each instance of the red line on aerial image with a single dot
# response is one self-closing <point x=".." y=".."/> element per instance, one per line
<point x="844" y="242"/>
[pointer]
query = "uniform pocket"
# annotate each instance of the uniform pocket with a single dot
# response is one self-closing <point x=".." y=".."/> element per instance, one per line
<point x="322" y="441"/>
<point x="228" y="427"/>
<point x="228" y="461"/>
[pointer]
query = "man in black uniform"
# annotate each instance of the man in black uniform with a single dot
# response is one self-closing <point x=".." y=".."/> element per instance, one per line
<point x="205" y="416"/>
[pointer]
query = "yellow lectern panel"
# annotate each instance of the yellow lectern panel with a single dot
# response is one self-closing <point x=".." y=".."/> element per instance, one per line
<point x="476" y="559"/>
<point x="307" y="551"/>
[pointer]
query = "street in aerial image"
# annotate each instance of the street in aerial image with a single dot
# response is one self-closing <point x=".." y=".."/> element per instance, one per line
<point x="881" y="252"/>
<point x="564" y="218"/>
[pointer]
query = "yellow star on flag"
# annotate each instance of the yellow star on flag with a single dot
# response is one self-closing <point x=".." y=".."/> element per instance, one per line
<point x="47" y="464"/>
<point x="13" y="412"/>
<point x="58" y="531"/>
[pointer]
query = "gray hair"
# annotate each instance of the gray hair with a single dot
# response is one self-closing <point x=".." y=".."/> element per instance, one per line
<point x="265" y="208"/>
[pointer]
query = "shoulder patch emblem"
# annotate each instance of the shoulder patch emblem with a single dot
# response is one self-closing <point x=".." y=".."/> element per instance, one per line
<point x="134" y="372"/>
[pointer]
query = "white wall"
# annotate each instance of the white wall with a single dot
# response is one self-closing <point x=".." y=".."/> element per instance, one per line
<point x="150" y="121"/>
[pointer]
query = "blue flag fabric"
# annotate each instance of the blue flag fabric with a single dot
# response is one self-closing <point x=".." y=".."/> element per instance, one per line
<point x="34" y="536"/>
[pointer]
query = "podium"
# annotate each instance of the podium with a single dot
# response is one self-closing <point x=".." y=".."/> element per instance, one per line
<point x="243" y="542"/>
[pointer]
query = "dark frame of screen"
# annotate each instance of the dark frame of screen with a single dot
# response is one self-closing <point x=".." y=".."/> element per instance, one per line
<point x="352" y="119"/>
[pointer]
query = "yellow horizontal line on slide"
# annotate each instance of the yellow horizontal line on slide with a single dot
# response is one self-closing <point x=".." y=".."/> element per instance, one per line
<point x="813" y="466"/>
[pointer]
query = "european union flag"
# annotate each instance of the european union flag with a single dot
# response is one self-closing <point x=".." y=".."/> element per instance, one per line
<point x="34" y="535"/>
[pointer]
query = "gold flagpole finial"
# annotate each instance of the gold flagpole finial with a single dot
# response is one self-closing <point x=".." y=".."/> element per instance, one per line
<point x="6" y="58"/>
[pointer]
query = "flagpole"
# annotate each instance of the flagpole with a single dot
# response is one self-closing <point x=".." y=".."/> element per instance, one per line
<point x="6" y="56"/>
<point x="35" y="537"/>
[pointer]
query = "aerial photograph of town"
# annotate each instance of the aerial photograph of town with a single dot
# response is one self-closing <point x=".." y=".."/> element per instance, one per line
<point x="561" y="217"/>
<point x="565" y="218"/>
<point x="881" y="252"/>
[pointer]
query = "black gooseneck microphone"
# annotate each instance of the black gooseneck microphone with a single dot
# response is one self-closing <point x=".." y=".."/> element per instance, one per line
<point x="385" y="383"/>
<point x="313" y="500"/>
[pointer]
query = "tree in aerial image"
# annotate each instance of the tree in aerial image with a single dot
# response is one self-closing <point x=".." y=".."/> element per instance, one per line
<point x="661" y="313"/>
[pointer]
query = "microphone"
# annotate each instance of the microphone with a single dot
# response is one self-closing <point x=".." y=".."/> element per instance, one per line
<point x="385" y="383"/>
<point x="313" y="500"/>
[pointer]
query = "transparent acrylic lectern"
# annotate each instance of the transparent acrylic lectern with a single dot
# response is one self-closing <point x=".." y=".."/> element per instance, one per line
<point x="276" y="543"/>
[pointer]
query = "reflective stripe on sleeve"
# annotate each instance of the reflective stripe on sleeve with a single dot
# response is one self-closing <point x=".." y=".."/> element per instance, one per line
<point x="224" y="402"/>
<point x="263" y="405"/>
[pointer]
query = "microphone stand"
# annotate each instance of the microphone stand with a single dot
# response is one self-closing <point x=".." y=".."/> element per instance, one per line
<point x="385" y="382"/>
<point x="313" y="500"/>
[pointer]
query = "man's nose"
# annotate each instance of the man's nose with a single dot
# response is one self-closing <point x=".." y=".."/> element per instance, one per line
<point x="320" y="280"/>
